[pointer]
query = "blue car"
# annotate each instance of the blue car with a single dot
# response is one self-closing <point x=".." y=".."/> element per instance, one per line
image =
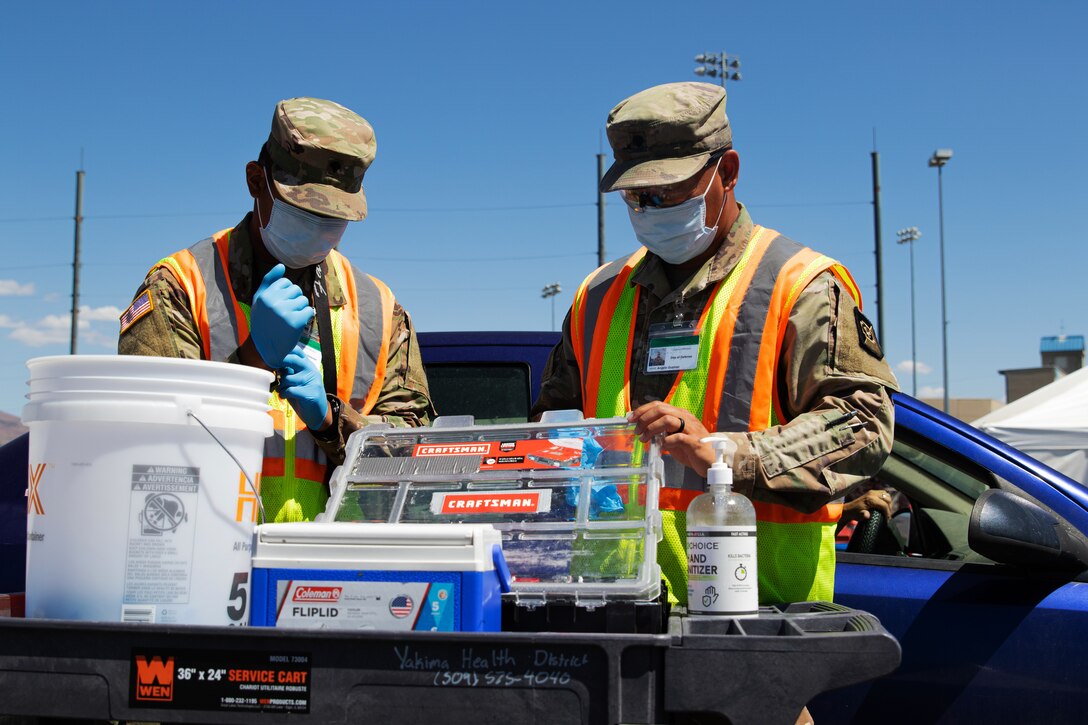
<point x="981" y="577"/>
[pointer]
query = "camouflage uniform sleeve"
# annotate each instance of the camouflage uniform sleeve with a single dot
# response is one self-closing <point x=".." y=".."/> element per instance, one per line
<point x="836" y="389"/>
<point x="168" y="330"/>
<point x="560" y="384"/>
<point x="405" y="399"/>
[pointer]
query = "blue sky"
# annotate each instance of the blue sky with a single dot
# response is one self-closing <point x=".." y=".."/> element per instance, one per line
<point x="488" y="117"/>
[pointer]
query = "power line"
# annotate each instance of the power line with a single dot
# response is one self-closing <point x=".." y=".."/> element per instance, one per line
<point x="417" y="260"/>
<point x="160" y="215"/>
<point x="35" y="266"/>
<point x="400" y="210"/>
<point x="14" y="220"/>
<point x="452" y="209"/>
<point x="815" y="203"/>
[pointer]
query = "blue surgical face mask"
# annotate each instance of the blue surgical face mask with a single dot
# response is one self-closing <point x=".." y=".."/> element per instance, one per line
<point x="298" y="238"/>
<point x="675" y="233"/>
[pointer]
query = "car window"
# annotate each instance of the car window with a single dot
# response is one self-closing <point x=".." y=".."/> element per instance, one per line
<point x="959" y="475"/>
<point x="937" y="489"/>
<point x="492" y="393"/>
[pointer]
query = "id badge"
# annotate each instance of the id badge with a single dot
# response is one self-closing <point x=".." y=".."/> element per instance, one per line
<point x="674" y="347"/>
<point x="311" y="349"/>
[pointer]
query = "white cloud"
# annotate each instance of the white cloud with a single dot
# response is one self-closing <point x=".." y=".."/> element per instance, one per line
<point x="49" y="330"/>
<point x="56" y="329"/>
<point x="100" y="314"/>
<point x="94" y="338"/>
<point x="908" y="365"/>
<point x="11" y="288"/>
<point x="930" y="391"/>
<point x="38" y="337"/>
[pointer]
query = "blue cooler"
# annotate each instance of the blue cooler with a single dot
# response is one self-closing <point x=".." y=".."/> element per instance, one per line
<point x="371" y="576"/>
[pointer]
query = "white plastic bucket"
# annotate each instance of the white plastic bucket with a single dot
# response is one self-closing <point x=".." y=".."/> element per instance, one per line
<point x="134" y="511"/>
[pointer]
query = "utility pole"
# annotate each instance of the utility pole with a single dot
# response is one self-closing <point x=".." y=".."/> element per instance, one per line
<point x="75" y="259"/>
<point x="879" y="246"/>
<point x="600" y="212"/>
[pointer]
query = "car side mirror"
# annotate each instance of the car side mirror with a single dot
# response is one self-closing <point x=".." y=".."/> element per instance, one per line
<point x="1012" y="530"/>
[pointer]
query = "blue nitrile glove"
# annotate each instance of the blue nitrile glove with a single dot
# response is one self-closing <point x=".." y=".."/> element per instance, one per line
<point x="278" y="317"/>
<point x="303" y="388"/>
<point x="603" y="498"/>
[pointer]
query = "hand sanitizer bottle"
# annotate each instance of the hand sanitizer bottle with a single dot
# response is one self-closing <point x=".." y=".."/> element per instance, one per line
<point x="722" y="543"/>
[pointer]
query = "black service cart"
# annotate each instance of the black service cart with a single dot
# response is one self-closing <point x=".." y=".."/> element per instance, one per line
<point x="737" y="670"/>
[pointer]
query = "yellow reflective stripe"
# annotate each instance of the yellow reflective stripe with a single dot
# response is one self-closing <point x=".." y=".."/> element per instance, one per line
<point x="337" y="335"/>
<point x="577" y="321"/>
<point x="796" y="562"/>
<point x="613" y="396"/>
<point x="289" y="487"/>
<point x="672" y="555"/>
<point x="848" y="281"/>
<point x="810" y="271"/>
<point x="183" y="279"/>
<point x="690" y="391"/>
<point x="302" y="501"/>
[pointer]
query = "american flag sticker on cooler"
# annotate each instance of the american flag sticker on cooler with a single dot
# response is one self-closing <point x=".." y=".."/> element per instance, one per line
<point x="400" y="606"/>
<point x="139" y="307"/>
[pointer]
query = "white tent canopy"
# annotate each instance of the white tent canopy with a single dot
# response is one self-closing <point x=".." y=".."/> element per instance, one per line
<point x="1050" y="425"/>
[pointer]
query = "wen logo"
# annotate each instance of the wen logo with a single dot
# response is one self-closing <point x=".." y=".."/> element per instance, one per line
<point x="154" y="679"/>
<point x="33" y="499"/>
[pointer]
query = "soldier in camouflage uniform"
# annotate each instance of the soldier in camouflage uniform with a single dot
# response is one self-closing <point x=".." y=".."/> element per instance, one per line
<point x="309" y="175"/>
<point x="777" y="353"/>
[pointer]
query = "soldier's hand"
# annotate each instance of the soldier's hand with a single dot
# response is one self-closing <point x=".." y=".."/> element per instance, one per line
<point x="301" y="385"/>
<point x="874" y="500"/>
<point x="682" y="433"/>
<point x="279" y="315"/>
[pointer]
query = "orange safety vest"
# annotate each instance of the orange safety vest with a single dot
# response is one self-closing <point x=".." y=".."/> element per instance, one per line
<point x="733" y="388"/>
<point x="295" y="469"/>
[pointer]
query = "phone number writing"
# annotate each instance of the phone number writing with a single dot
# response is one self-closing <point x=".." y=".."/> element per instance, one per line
<point x="501" y="678"/>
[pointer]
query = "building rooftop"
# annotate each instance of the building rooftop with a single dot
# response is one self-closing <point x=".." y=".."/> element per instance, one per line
<point x="1062" y="343"/>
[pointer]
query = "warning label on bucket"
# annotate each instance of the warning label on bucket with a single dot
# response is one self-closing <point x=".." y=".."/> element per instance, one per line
<point x="234" y="680"/>
<point x="162" y="511"/>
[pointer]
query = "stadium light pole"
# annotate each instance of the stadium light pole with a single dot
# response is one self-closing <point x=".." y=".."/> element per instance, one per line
<point x="718" y="65"/>
<point x="551" y="290"/>
<point x="939" y="158"/>
<point x="909" y="236"/>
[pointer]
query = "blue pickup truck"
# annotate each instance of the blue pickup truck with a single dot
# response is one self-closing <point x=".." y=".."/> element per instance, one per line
<point x="982" y="579"/>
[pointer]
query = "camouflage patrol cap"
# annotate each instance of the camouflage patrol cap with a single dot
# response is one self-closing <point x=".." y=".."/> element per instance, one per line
<point x="319" y="152"/>
<point x="665" y="134"/>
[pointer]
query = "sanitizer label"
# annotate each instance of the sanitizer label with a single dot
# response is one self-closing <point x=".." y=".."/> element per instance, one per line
<point x="162" y="524"/>
<point x="722" y="570"/>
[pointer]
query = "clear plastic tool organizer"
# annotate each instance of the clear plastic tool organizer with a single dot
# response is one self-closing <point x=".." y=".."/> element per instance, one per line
<point x="576" y="500"/>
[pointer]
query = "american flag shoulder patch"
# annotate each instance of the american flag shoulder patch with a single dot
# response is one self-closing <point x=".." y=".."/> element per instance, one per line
<point x="139" y="307"/>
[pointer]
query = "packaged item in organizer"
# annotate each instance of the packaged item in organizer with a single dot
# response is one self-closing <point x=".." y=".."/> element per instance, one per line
<point x="575" y="500"/>
<point x="378" y="577"/>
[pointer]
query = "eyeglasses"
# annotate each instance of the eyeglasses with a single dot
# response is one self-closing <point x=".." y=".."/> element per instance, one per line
<point x="668" y="195"/>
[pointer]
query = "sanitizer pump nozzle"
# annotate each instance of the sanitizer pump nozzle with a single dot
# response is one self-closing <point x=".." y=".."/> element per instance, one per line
<point x="722" y="576"/>
<point x="721" y="473"/>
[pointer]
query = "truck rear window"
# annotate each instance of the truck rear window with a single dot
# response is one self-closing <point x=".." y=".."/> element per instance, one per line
<point x="490" y="392"/>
